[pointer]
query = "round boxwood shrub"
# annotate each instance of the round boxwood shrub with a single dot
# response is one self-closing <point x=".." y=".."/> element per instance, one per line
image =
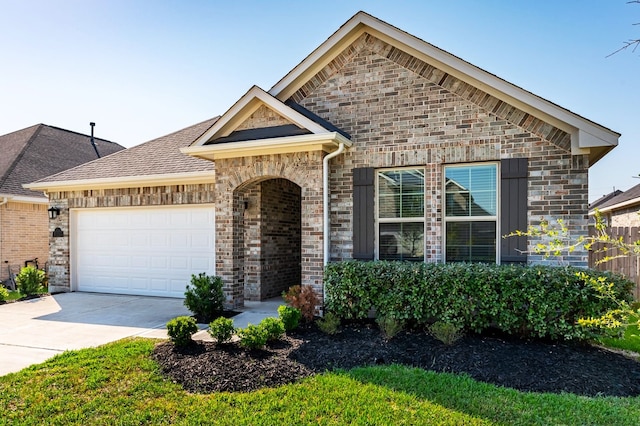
<point x="180" y="330"/>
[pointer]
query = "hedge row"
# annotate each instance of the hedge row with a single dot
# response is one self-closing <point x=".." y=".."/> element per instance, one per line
<point x="528" y="301"/>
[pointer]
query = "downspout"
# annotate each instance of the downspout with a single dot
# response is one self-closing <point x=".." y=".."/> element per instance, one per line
<point x="325" y="200"/>
<point x="4" y="201"/>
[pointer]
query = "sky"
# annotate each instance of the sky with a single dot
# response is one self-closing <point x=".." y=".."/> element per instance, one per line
<point x="141" y="69"/>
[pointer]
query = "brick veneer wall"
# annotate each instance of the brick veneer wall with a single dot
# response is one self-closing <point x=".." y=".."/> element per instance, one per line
<point x="59" y="266"/>
<point x="233" y="178"/>
<point x="626" y="217"/>
<point x="263" y="117"/>
<point x="402" y="112"/>
<point x="23" y="235"/>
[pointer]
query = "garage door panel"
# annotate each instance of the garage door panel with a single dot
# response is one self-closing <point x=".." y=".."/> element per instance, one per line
<point x="147" y="251"/>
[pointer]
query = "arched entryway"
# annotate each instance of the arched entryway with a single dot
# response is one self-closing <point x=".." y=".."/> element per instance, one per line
<point x="267" y="236"/>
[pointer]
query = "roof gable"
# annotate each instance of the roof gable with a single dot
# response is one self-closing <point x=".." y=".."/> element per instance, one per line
<point x="585" y="136"/>
<point x="259" y="110"/>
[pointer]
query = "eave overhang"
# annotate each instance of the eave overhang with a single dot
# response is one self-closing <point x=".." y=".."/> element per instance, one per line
<point x="191" y="178"/>
<point x="326" y="142"/>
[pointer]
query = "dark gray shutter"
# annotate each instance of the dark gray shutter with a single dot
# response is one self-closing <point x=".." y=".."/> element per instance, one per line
<point x="363" y="217"/>
<point x="513" y="180"/>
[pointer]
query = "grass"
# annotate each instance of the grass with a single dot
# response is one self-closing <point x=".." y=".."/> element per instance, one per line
<point x="630" y="341"/>
<point x="119" y="384"/>
<point x="16" y="295"/>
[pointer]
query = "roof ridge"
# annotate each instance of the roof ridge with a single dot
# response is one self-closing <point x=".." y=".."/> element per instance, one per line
<point x="16" y="160"/>
<point x="80" y="134"/>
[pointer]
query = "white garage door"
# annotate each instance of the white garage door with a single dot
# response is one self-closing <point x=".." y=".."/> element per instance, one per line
<point x="144" y="251"/>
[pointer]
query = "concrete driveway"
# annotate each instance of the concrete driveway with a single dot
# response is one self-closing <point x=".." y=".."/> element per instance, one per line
<point x="34" y="330"/>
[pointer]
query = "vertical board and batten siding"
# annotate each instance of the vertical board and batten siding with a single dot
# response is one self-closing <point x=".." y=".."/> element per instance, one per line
<point x="513" y="211"/>
<point x="363" y="214"/>
<point x="627" y="265"/>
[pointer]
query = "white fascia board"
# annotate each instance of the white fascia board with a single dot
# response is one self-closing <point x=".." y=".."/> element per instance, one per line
<point x="618" y="206"/>
<point x="190" y="178"/>
<point x="271" y="146"/>
<point x="501" y="89"/>
<point x="246" y="106"/>
<point x="23" y="199"/>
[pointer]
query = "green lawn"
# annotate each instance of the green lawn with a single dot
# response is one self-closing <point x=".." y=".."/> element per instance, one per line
<point x="119" y="384"/>
<point x="630" y="341"/>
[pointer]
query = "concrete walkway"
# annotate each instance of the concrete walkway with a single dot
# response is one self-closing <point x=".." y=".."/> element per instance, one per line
<point x="33" y="331"/>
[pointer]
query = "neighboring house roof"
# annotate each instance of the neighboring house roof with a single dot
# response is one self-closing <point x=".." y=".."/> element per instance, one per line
<point x="157" y="160"/>
<point x="587" y="137"/>
<point x="628" y="198"/>
<point x="41" y="150"/>
<point x="604" y="199"/>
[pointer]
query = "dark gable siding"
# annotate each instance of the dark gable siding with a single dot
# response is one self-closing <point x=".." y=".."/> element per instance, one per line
<point x="363" y="213"/>
<point x="513" y="214"/>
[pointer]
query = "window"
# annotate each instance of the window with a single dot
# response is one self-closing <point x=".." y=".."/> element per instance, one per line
<point x="471" y="194"/>
<point x="400" y="214"/>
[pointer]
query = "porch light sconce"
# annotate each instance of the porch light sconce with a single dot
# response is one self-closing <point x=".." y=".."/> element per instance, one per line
<point x="53" y="212"/>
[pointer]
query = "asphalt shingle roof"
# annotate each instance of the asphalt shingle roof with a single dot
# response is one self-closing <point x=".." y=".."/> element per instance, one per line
<point x="158" y="156"/>
<point x="628" y="195"/>
<point x="41" y="150"/>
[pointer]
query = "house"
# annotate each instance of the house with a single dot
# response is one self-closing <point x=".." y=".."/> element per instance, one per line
<point x="621" y="210"/>
<point x="378" y="145"/>
<point x="28" y="155"/>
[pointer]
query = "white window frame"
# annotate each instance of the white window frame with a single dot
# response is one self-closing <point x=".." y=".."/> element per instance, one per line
<point x="379" y="220"/>
<point x="495" y="218"/>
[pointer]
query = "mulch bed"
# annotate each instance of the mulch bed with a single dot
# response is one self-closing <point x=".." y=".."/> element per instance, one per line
<point x="524" y="365"/>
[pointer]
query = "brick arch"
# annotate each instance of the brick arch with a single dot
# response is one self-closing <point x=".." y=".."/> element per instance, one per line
<point x="234" y="177"/>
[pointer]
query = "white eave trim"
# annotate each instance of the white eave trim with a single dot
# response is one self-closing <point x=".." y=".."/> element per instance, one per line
<point x="283" y="145"/>
<point x="190" y="178"/>
<point x="246" y="106"/>
<point x="5" y="198"/>
<point x="585" y="133"/>
<point x="617" y="206"/>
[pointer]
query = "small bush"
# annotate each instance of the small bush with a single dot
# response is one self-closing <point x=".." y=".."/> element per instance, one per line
<point x="204" y="297"/>
<point x="30" y="280"/>
<point x="389" y="326"/>
<point x="290" y="317"/>
<point x="303" y="298"/>
<point x="180" y="330"/>
<point x="4" y="293"/>
<point x="330" y="324"/>
<point x="446" y="332"/>
<point x="221" y="329"/>
<point x="253" y="336"/>
<point x="273" y="327"/>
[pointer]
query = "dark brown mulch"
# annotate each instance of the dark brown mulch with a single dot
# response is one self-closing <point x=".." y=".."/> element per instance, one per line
<point x="524" y="365"/>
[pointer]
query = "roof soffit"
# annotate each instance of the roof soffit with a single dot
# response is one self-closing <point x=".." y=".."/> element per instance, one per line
<point x="585" y="134"/>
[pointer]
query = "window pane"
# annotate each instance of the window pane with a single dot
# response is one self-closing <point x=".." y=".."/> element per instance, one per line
<point x="401" y="241"/>
<point x="471" y="242"/>
<point x="471" y="191"/>
<point x="401" y="194"/>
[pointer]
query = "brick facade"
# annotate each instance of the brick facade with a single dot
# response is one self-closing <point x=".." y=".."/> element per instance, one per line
<point x="627" y="217"/>
<point x="399" y="112"/>
<point x="23" y="235"/>
<point x="402" y="112"/>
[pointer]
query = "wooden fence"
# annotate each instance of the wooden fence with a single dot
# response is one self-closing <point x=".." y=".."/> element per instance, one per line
<point x="629" y="265"/>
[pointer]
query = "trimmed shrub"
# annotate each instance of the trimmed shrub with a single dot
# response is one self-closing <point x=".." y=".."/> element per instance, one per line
<point x="30" y="280"/>
<point x="527" y="301"/>
<point x="253" y="336"/>
<point x="221" y="329"/>
<point x="446" y="332"/>
<point x="303" y="298"/>
<point x="290" y="317"/>
<point x="4" y="293"/>
<point x="329" y="324"/>
<point x="204" y="297"/>
<point x="389" y="326"/>
<point x="180" y="330"/>
<point x="273" y="327"/>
